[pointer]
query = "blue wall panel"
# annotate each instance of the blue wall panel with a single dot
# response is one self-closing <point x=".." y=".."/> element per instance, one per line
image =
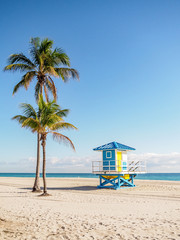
<point x="109" y="160"/>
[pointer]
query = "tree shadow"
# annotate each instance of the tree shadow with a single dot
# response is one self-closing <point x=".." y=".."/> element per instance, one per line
<point x="79" y="188"/>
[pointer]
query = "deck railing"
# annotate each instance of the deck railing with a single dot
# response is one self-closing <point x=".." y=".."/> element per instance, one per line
<point x="114" y="167"/>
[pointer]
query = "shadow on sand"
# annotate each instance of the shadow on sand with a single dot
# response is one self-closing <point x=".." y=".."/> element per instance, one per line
<point x="79" y="188"/>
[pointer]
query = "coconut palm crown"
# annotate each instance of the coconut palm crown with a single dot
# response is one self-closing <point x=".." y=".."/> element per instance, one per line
<point x="44" y="64"/>
<point x="47" y="119"/>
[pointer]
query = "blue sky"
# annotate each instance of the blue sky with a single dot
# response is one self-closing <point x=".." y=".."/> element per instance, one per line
<point x="128" y="57"/>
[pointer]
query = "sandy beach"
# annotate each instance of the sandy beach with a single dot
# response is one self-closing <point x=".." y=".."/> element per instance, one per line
<point x="78" y="210"/>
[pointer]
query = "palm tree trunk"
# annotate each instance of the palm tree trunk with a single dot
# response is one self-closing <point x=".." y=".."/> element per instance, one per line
<point x="36" y="187"/>
<point x="44" y="166"/>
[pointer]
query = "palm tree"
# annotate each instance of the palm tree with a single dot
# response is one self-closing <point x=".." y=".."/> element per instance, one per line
<point x="43" y="64"/>
<point x="47" y="119"/>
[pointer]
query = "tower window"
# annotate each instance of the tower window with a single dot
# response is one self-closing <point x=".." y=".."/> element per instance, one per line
<point x="108" y="154"/>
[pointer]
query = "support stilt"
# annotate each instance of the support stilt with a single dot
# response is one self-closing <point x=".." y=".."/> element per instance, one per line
<point x="116" y="181"/>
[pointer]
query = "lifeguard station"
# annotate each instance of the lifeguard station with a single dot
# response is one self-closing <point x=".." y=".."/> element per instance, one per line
<point x="115" y="170"/>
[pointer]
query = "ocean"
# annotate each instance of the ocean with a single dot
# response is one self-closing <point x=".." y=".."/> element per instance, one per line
<point x="147" y="176"/>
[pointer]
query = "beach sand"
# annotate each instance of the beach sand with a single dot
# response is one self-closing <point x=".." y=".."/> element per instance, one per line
<point x="78" y="210"/>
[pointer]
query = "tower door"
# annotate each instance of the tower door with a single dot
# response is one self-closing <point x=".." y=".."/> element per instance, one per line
<point x="119" y="161"/>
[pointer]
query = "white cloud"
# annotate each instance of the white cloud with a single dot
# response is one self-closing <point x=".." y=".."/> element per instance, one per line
<point x="84" y="161"/>
<point x="54" y="160"/>
<point x="169" y="162"/>
<point x="155" y="163"/>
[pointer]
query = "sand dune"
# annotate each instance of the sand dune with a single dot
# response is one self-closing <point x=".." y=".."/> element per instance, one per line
<point x="78" y="210"/>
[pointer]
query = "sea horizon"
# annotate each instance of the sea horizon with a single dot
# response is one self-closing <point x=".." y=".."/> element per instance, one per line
<point x="146" y="176"/>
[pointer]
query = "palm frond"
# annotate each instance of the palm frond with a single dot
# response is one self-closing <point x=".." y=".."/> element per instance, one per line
<point x="67" y="73"/>
<point x="34" y="49"/>
<point x="20" y="84"/>
<point x="19" y="118"/>
<point x="32" y="124"/>
<point x="48" y="118"/>
<point x="63" y="113"/>
<point x="37" y="91"/>
<point x="45" y="45"/>
<point x="18" y="67"/>
<point x="20" y="58"/>
<point x="25" y="81"/>
<point x="40" y="103"/>
<point x="35" y="42"/>
<point x="51" y="71"/>
<point x="62" y="125"/>
<point x="47" y="112"/>
<point x="62" y="138"/>
<point x="28" y="110"/>
<point x="60" y="57"/>
<point x="51" y="87"/>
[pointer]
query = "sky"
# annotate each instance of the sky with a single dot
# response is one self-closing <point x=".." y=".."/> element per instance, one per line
<point x="128" y="56"/>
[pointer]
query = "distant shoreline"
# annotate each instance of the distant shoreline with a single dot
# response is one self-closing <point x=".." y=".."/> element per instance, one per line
<point x="147" y="176"/>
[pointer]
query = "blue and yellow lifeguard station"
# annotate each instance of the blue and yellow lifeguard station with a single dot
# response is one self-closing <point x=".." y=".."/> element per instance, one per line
<point x="115" y="170"/>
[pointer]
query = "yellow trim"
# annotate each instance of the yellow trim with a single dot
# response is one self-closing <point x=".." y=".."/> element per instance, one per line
<point x="119" y="158"/>
<point x="126" y="176"/>
<point x="109" y="177"/>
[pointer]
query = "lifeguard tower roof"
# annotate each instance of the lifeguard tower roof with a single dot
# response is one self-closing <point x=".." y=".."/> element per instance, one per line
<point x="114" y="145"/>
